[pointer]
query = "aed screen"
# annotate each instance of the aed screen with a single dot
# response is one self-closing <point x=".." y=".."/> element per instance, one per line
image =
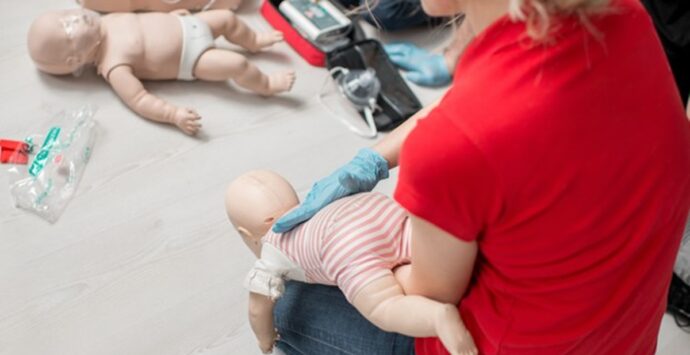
<point x="315" y="13"/>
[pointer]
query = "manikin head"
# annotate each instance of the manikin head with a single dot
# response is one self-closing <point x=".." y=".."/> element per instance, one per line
<point x="254" y="201"/>
<point x="62" y="42"/>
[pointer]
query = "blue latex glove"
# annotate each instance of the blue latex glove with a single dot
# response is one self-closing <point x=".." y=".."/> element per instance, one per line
<point x="424" y="68"/>
<point x="361" y="174"/>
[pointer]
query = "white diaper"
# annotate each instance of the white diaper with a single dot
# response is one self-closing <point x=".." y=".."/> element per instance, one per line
<point x="269" y="272"/>
<point x="196" y="39"/>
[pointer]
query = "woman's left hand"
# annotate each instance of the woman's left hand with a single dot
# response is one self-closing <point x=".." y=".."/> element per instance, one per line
<point x="424" y="68"/>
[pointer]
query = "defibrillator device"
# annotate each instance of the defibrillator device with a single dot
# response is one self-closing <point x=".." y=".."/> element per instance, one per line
<point x="318" y="21"/>
<point x="321" y="33"/>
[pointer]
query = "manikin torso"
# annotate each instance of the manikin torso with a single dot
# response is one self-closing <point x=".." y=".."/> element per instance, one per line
<point x="151" y="43"/>
<point x="348" y="243"/>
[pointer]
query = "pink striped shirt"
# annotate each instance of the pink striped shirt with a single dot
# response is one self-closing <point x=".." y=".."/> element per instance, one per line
<point x="349" y="243"/>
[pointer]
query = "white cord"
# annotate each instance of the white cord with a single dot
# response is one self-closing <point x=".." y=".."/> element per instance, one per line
<point x="368" y="111"/>
<point x="369" y="116"/>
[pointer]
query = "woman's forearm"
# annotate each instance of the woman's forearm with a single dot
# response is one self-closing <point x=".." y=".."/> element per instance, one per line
<point x="442" y="264"/>
<point x="389" y="147"/>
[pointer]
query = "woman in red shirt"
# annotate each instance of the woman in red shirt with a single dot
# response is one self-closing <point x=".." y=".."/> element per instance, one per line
<point x="559" y="160"/>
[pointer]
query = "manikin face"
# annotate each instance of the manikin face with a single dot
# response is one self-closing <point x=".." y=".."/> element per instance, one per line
<point x="83" y="29"/>
<point x="63" y="42"/>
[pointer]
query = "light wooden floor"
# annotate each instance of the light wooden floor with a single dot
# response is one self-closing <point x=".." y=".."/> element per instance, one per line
<point x="143" y="261"/>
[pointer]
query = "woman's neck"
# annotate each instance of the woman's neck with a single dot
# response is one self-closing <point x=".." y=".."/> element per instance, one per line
<point x="482" y="13"/>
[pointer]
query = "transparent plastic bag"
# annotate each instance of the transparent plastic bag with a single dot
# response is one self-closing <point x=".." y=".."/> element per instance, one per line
<point x="57" y="161"/>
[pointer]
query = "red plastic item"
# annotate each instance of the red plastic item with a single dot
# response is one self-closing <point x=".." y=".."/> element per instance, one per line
<point x="13" y="152"/>
<point x="301" y="45"/>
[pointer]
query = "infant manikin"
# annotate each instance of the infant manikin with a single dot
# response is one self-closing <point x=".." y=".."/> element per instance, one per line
<point x="158" y="5"/>
<point x="127" y="48"/>
<point x="354" y="243"/>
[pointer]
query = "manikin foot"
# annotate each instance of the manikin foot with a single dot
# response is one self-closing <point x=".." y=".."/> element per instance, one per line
<point x="267" y="39"/>
<point x="452" y="332"/>
<point x="280" y="82"/>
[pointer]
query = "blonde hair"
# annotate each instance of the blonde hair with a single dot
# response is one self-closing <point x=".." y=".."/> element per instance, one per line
<point x="537" y="14"/>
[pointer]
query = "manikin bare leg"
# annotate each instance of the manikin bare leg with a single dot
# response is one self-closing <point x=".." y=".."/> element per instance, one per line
<point x="222" y="65"/>
<point x="383" y="303"/>
<point x="225" y="23"/>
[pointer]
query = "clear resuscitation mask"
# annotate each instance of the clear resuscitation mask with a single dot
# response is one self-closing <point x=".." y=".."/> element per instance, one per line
<point x="83" y="30"/>
<point x="57" y="160"/>
<point x="361" y="88"/>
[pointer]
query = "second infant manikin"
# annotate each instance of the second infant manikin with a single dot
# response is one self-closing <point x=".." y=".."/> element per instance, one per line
<point x="127" y="48"/>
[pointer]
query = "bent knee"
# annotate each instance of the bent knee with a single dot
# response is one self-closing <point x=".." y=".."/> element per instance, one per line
<point x="218" y="20"/>
<point x="241" y="65"/>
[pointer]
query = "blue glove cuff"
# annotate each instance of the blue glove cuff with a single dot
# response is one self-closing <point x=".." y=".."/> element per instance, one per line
<point x="378" y="163"/>
<point x="441" y="73"/>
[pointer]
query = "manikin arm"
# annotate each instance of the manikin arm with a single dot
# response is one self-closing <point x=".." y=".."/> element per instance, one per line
<point x="433" y="284"/>
<point x="383" y="303"/>
<point x="261" y="320"/>
<point x="157" y="5"/>
<point x="130" y="89"/>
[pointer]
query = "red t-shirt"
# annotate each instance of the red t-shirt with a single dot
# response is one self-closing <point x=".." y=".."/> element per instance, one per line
<point x="569" y="163"/>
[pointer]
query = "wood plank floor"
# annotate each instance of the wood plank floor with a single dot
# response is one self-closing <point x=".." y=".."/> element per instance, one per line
<point x="143" y="260"/>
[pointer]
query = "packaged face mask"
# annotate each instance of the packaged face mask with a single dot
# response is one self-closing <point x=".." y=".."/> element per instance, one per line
<point x="57" y="161"/>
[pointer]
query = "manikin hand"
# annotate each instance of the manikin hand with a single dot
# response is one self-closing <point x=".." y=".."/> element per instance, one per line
<point x="449" y="327"/>
<point x="424" y="68"/>
<point x="361" y="174"/>
<point x="452" y="332"/>
<point x="187" y="120"/>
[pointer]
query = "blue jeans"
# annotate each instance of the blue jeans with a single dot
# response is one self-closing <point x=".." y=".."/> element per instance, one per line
<point x="394" y="15"/>
<point x="317" y="319"/>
